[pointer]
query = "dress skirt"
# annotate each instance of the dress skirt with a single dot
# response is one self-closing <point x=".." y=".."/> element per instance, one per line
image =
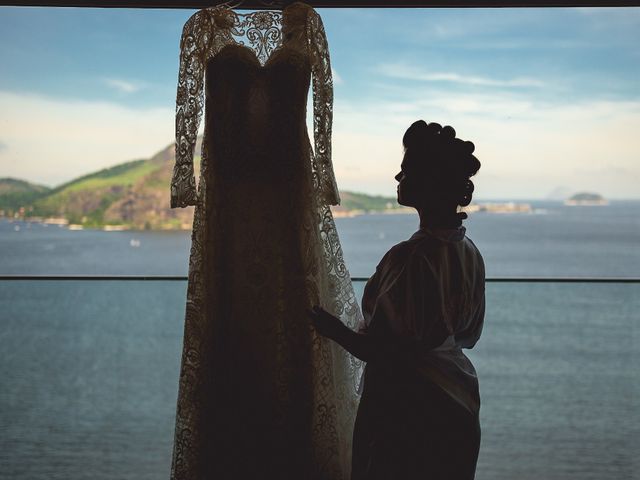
<point x="409" y="428"/>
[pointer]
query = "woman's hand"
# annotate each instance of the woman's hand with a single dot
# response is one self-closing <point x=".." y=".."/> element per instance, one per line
<point x="359" y="345"/>
<point x="325" y="324"/>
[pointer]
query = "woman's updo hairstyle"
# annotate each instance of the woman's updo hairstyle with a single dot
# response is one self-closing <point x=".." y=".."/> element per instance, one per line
<point x="447" y="163"/>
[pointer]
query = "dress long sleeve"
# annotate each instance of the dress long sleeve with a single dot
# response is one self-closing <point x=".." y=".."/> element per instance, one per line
<point x="189" y="107"/>
<point x="322" y="109"/>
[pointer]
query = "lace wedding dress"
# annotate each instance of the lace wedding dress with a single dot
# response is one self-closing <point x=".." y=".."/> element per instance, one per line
<point x="261" y="395"/>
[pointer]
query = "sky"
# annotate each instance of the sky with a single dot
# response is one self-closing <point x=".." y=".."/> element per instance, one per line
<point x="550" y="97"/>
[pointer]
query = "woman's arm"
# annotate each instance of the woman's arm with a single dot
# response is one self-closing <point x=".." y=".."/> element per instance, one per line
<point x="364" y="346"/>
<point x="360" y="345"/>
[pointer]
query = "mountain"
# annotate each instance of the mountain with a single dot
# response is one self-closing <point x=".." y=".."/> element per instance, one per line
<point x="361" y="202"/>
<point x="15" y="193"/>
<point x="134" y="194"/>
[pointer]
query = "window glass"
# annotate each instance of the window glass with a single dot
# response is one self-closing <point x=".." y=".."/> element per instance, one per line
<point x="549" y="96"/>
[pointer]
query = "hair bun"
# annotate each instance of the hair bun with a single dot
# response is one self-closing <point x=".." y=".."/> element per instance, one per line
<point x="447" y="162"/>
<point x="414" y="136"/>
<point x="466" y="193"/>
<point x="434" y="128"/>
<point x="469" y="147"/>
<point x="448" y="132"/>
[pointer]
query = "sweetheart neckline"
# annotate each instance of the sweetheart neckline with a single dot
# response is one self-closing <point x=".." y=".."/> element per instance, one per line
<point x="252" y="53"/>
<point x="225" y="8"/>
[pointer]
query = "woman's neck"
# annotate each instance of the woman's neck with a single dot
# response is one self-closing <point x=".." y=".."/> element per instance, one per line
<point x="434" y="218"/>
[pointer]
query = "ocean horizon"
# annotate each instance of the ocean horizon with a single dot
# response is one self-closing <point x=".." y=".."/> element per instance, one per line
<point x="89" y="369"/>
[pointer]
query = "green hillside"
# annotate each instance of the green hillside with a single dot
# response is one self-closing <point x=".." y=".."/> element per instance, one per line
<point x="16" y="193"/>
<point x="124" y="174"/>
<point x="134" y="194"/>
<point x="367" y="203"/>
<point x="85" y="200"/>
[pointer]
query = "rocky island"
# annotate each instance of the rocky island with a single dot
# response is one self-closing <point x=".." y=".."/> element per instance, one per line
<point x="586" y="199"/>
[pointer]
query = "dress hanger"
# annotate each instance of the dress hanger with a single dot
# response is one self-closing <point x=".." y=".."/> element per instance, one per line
<point x="230" y="4"/>
<point x="275" y="4"/>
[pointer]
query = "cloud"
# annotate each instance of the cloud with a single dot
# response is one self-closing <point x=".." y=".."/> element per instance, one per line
<point x="53" y="140"/>
<point x="124" y="86"/>
<point x="408" y="72"/>
<point x="526" y="147"/>
<point x="337" y="79"/>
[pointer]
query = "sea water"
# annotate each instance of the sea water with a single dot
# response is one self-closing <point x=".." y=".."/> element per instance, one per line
<point x="89" y="369"/>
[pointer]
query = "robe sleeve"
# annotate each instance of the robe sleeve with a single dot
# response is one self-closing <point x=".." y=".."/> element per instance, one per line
<point x="324" y="178"/>
<point x="189" y="107"/>
<point x="469" y="337"/>
<point x="408" y="304"/>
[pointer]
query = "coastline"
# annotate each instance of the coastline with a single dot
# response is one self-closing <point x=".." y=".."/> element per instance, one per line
<point x="338" y="212"/>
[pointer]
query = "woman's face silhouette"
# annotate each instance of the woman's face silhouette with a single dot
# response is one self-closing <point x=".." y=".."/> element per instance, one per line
<point x="420" y="189"/>
<point x="411" y="187"/>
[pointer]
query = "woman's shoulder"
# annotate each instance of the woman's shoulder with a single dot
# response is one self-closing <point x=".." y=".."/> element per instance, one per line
<point x="393" y="261"/>
<point x="470" y="243"/>
<point x="404" y="256"/>
<point x="400" y="253"/>
<point x="471" y="247"/>
<point x="433" y="252"/>
<point x="472" y="259"/>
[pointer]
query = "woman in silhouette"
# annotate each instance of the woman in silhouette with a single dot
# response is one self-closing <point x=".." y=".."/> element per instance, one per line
<point x="418" y="414"/>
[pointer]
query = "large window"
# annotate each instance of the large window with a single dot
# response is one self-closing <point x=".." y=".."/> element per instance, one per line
<point x="550" y="97"/>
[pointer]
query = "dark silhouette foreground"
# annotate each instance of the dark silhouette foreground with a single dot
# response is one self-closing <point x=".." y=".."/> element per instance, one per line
<point x="418" y="414"/>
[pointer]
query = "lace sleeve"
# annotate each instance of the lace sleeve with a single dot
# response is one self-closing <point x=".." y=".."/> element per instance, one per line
<point x="322" y="109"/>
<point x="189" y="106"/>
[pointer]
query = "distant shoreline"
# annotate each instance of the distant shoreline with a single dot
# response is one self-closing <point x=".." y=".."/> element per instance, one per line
<point x="483" y="207"/>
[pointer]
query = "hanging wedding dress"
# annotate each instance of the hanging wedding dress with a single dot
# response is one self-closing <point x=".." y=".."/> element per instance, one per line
<point x="261" y="395"/>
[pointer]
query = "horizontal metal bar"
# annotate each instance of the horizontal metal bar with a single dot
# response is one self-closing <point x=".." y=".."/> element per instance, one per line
<point x="83" y="278"/>
<point x="355" y="279"/>
<point x="563" y="280"/>
<point x="265" y="4"/>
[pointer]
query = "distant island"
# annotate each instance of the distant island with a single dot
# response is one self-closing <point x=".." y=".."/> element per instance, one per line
<point x="586" y="199"/>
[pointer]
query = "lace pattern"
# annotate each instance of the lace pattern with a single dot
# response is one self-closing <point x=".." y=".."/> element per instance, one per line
<point x="322" y="111"/>
<point x="261" y="31"/>
<point x="326" y="279"/>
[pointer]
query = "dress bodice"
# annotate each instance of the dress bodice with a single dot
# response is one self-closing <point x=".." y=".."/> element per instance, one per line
<point x="258" y="112"/>
<point x="259" y="60"/>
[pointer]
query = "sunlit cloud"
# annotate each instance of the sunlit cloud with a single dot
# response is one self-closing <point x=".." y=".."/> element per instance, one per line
<point x="124" y="86"/>
<point x="337" y="79"/>
<point x="408" y="72"/>
<point x="541" y="116"/>
<point x="527" y="149"/>
<point x="53" y="141"/>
